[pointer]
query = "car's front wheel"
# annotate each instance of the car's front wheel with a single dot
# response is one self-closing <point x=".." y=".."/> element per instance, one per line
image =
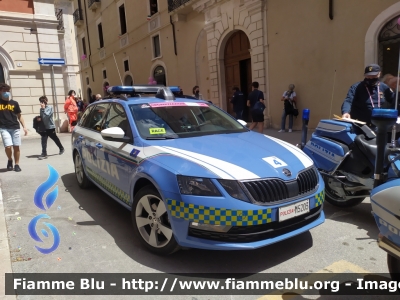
<point x="151" y="223"/>
<point x="80" y="175"/>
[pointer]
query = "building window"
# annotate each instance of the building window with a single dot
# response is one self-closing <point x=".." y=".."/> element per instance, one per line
<point x="2" y="79"/>
<point x="156" y="46"/>
<point x="84" y="45"/>
<point x="100" y="31"/>
<point x="128" y="80"/>
<point x="153" y="7"/>
<point x="159" y="75"/>
<point x="87" y="80"/>
<point x="389" y="39"/>
<point x="122" y="19"/>
<point x="126" y="65"/>
<point x="104" y="74"/>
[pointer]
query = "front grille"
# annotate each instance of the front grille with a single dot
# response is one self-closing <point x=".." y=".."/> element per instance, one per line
<point x="248" y="234"/>
<point x="270" y="191"/>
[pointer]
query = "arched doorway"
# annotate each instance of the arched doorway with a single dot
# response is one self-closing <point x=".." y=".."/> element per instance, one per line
<point x="128" y="80"/>
<point x="89" y="95"/>
<point x="237" y="61"/>
<point x="389" y="39"/>
<point x="159" y="75"/>
<point x="2" y="79"/>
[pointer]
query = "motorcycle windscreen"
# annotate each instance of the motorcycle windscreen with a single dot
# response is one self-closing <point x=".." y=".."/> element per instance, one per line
<point x="325" y="153"/>
<point x="385" y="202"/>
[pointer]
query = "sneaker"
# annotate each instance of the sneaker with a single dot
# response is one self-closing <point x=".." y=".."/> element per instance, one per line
<point x="43" y="156"/>
<point x="61" y="151"/>
<point x="9" y="165"/>
<point x="290" y="130"/>
<point x="17" y="168"/>
<point x="282" y="130"/>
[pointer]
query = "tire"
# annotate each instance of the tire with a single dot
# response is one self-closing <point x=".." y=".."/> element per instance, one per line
<point x="335" y="200"/>
<point x="80" y="175"/>
<point x="151" y="223"/>
<point x="394" y="267"/>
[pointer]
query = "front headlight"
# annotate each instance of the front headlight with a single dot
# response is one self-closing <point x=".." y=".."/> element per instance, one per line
<point x="197" y="186"/>
<point x="233" y="188"/>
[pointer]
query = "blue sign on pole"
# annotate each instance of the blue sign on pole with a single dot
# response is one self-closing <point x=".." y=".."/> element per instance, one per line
<point x="51" y="61"/>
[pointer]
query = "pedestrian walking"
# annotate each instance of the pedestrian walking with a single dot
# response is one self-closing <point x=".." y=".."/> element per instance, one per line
<point x="238" y="102"/>
<point x="46" y="117"/>
<point x="10" y="118"/>
<point x="196" y="93"/>
<point x="289" y="97"/>
<point x="71" y="109"/>
<point x="255" y="101"/>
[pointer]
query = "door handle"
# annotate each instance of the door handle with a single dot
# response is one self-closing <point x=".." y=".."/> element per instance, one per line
<point x="98" y="145"/>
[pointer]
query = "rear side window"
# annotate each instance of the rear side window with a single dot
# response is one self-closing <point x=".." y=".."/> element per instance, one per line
<point x="96" y="117"/>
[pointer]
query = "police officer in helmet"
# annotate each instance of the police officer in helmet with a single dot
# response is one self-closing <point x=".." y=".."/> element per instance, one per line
<point x="366" y="95"/>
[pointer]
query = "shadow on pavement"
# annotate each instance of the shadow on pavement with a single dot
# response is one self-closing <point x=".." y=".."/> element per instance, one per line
<point x="116" y="220"/>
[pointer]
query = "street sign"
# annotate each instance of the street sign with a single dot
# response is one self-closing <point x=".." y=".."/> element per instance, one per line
<point x="51" y="61"/>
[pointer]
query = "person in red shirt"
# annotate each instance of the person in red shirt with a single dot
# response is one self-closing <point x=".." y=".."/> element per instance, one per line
<point x="71" y="109"/>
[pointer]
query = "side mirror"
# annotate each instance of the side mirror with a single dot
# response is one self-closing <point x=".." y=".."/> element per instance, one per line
<point x="242" y="122"/>
<point x="115" y="134"/>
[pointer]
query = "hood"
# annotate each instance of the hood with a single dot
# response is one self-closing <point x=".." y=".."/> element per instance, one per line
<point x="237" y="156"/>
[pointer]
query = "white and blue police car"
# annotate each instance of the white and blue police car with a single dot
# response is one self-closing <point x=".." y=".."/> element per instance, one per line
<point x="192" y="175"/>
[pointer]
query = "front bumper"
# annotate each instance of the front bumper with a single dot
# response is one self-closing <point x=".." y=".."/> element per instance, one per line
<point x="252" y="226"/>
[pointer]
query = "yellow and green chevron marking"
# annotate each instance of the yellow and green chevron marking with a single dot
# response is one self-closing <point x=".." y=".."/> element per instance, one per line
<point x="218" y="216"/>
<point x="117" y="192"/>
<point x="319" y="198"/>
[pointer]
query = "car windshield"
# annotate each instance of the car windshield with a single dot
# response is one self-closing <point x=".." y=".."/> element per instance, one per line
<point x="182" y="119"/>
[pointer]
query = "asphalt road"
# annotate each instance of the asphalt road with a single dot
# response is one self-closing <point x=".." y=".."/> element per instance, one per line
<point x="96" y="235"/>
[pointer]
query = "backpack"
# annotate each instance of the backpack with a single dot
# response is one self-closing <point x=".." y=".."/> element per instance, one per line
<point x="38" y="125"/>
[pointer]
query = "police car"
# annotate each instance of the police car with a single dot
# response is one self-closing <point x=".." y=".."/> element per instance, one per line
<point x="192" y="175"/>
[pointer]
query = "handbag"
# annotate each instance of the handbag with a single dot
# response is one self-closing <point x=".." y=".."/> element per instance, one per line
<point x="295" y="111"/>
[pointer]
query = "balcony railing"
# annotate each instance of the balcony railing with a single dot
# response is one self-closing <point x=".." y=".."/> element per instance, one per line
<point x="94" y="4"/>
<point x="174" y="4"/>
<point x="78" y="17"/>
<point x="59" y="16"/>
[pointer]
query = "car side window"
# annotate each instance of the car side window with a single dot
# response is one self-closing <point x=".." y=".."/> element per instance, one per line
<point x="116" y="117"/>
<point x="97" y="116"/>
<point x="84" y="119"/>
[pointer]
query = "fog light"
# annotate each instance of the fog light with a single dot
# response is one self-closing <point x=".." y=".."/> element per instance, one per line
<point x="209" y="227"/>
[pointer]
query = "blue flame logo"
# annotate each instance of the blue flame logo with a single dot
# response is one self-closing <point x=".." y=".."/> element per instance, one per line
<point x="38" y="201"/>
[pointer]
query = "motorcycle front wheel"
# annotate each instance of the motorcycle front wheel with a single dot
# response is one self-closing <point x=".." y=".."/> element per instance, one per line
<point x="333" y="198"/>
<point x="394" y="267"/>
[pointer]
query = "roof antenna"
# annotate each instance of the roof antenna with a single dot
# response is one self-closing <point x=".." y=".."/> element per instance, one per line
<point x="118" y="70"/>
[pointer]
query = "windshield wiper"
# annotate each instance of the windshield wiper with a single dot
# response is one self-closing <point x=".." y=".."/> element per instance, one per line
<point x="167" y="137"/>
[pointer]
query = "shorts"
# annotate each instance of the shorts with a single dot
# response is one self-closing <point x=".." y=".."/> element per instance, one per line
<point x="257" y="117"/>
<point x="10" y="137"/>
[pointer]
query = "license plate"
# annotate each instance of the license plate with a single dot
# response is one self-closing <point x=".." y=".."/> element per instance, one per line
<point x="294" y="210"/>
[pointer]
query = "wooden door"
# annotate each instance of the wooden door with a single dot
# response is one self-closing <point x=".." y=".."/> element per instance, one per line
<point x="236" y="50"/>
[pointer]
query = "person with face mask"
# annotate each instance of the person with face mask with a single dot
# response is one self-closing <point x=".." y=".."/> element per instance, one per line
<point x="10" y="117"/>
<point x="196" y="93"/>
<point x="366" y="95"/>
<point x="71" y="109"/>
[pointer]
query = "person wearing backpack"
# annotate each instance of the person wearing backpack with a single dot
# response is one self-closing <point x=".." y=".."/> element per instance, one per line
<point x="47" y="129"/>
<point x="289" y="97"/>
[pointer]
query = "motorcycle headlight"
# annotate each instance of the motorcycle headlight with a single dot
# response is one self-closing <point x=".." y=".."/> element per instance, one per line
<point x="197" y="186"/>
<point x="233" y="188"/>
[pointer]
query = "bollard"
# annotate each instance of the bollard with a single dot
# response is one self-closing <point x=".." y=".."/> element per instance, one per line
<point x="306" y="118"/>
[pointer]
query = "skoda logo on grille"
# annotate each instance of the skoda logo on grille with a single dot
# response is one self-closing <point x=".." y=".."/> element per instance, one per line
<point x="287" y="172"/>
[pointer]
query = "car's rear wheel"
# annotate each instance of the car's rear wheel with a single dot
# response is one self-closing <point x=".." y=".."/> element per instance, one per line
<point x="151" y="223"/>
<point x="80" y="175"/>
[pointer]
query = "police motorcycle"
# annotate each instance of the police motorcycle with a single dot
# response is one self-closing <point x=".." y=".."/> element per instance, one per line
<point x="344" y="152"/>
<point x="385" y="196"/>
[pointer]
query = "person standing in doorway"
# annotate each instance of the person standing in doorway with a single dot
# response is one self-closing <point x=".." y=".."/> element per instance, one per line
<point x="289" y="97"/>
<point x="255" y="101"/>
<point x="238" y="102"/>
<point x="196" y="93"/>
<point x="10" y="118"/>
<point x="71" y="109"/>
<point x="46" y="116"/>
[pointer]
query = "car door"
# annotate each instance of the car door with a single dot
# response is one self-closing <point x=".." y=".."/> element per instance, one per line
<point x="119" y="156"/>
<point x="92" y="148"/>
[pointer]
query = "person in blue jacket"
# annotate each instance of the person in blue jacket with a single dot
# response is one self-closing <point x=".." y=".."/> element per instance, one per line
<point x="46" y="116"/>
<point x="366" y="95"/>
<point x="238" y="102"/>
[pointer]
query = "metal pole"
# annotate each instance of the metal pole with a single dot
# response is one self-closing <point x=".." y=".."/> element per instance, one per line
<point x="55" y="98"/>
<point x="118" y="70"/>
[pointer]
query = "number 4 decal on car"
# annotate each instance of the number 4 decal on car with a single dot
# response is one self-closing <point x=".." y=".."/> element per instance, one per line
<point x="275" y="162"/>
